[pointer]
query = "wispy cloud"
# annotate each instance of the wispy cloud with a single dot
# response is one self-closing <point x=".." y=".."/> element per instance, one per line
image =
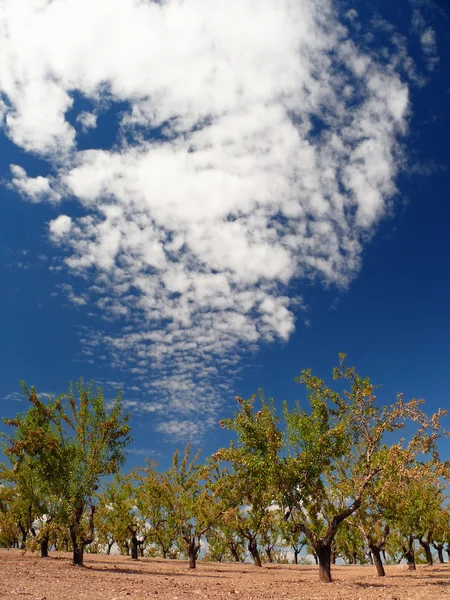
<point x="275" y="158"/>
<point x="427" y="39"/>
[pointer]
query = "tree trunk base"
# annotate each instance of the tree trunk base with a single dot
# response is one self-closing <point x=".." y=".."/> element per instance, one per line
<point x="324" y="558"/>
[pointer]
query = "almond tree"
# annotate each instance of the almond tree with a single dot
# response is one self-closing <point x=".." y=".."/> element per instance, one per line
<point x="151" y="499"/>
<point x="291" y="538"/>
<point x="322" y="462"/>
<point x="441" y="536"/>
<point x="187" y="494"/>
<point x="26" y="502"/>
<point x="74" y="440"/>
<point x="350" y="544"/>
<point x="247" y="479"/>
<point x="223" y="539"/>
<point x="337" y="450"/>
<point x="119" y="510"/>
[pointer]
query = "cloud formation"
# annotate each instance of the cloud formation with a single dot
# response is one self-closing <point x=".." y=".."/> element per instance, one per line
<point x="258" y="148"/>
<point x="427" y="38"/>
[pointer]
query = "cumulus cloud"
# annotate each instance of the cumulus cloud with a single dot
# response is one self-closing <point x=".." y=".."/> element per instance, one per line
<point x="34" y="189"/>
<point x="60" y="226"/>
<point x="274" y="158"/>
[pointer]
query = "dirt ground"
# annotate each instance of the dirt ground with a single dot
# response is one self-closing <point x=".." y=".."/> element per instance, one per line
<point x="25" y="575"/>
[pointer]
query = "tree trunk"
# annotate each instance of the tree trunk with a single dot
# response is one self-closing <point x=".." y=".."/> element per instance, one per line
<point x="296" y="553"/>
<point x="269" y="555"/>
<point x="408" y="553"/>
<point x="427" y="549"/>
<point x="253" y="549"/>
<point x="323" y="552"/>
<point x="355" y="558"/>
<point x="44" y="547"/>
<point x="376" y="552"/>
<point x="193" y="550"/>
<point x="108" y="549"/>
<point x="134" y="547"/>
<point x="77" y="542"/>
<point x="440" y="549"/>
<point x="234" y="554"/>
<point x="77" y="546"/>
<point x="24" y="533"/>
<point x="333" y="557"/>
<point x="316" y="560"/>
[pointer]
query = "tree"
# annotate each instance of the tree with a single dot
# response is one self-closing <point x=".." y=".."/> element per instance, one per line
<point x="187" y="494"/>
<point x="152" y="501"/>
<point x="25" y="498"/>
<point x="441" y="531"/>
<point x="74" y="440"/>
<point x="119" y="510"/>
<point x="225" y="541"/>
<point x="350" y="544"/>
<point x="292" y="538"/>
<point x="247" y="480"/>
<point x="9" y="531"/>
<point x="324" y="459"/>
<point x="270" y="535"/>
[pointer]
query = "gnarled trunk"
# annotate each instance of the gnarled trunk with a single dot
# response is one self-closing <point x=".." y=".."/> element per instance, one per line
<point x="323" y="552"/>
<point x="77" y="546"/>
<point x="78" y="543"/>
<point x="44" y="546"/>
<point x="440" y="551"/>
<point x="24" y="534"/>
<point x="426" y="546"/>
<point x="234" y="553"/>
<point x="193" y="550"/>
<point x="408" y="553"/>
<point x="376" y="553"/>
<point x="253" y="549"/>
<point x="134" y="547"/>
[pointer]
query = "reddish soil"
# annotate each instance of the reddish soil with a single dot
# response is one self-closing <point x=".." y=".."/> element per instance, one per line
<point x="24" y="575"/>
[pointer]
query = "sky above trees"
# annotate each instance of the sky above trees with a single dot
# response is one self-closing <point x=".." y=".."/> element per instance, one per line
<point x="199" y="199"/>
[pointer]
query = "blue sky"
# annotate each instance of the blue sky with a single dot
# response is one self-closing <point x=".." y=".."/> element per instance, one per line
<point x="200" y="199"/>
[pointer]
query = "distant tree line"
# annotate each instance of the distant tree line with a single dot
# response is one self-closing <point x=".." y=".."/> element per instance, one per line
<point x="331" y="479"/>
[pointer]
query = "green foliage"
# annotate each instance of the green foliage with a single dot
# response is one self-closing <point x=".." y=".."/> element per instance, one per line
<point x="330" y="474"/>
<point x="72" y="441"/>
<point x="185" y="498"/>
<point x="320" y="465"/>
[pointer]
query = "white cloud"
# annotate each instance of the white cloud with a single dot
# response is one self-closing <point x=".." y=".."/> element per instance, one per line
<point x="277" y="159"/>
<point x="60" y="226"/>
<point x="35" y="189"/>
<point x="87" y="120"/>
<point x="427" y="38"/>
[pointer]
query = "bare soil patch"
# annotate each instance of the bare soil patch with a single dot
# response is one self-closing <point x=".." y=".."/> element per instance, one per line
<point x="24" y="575"/>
